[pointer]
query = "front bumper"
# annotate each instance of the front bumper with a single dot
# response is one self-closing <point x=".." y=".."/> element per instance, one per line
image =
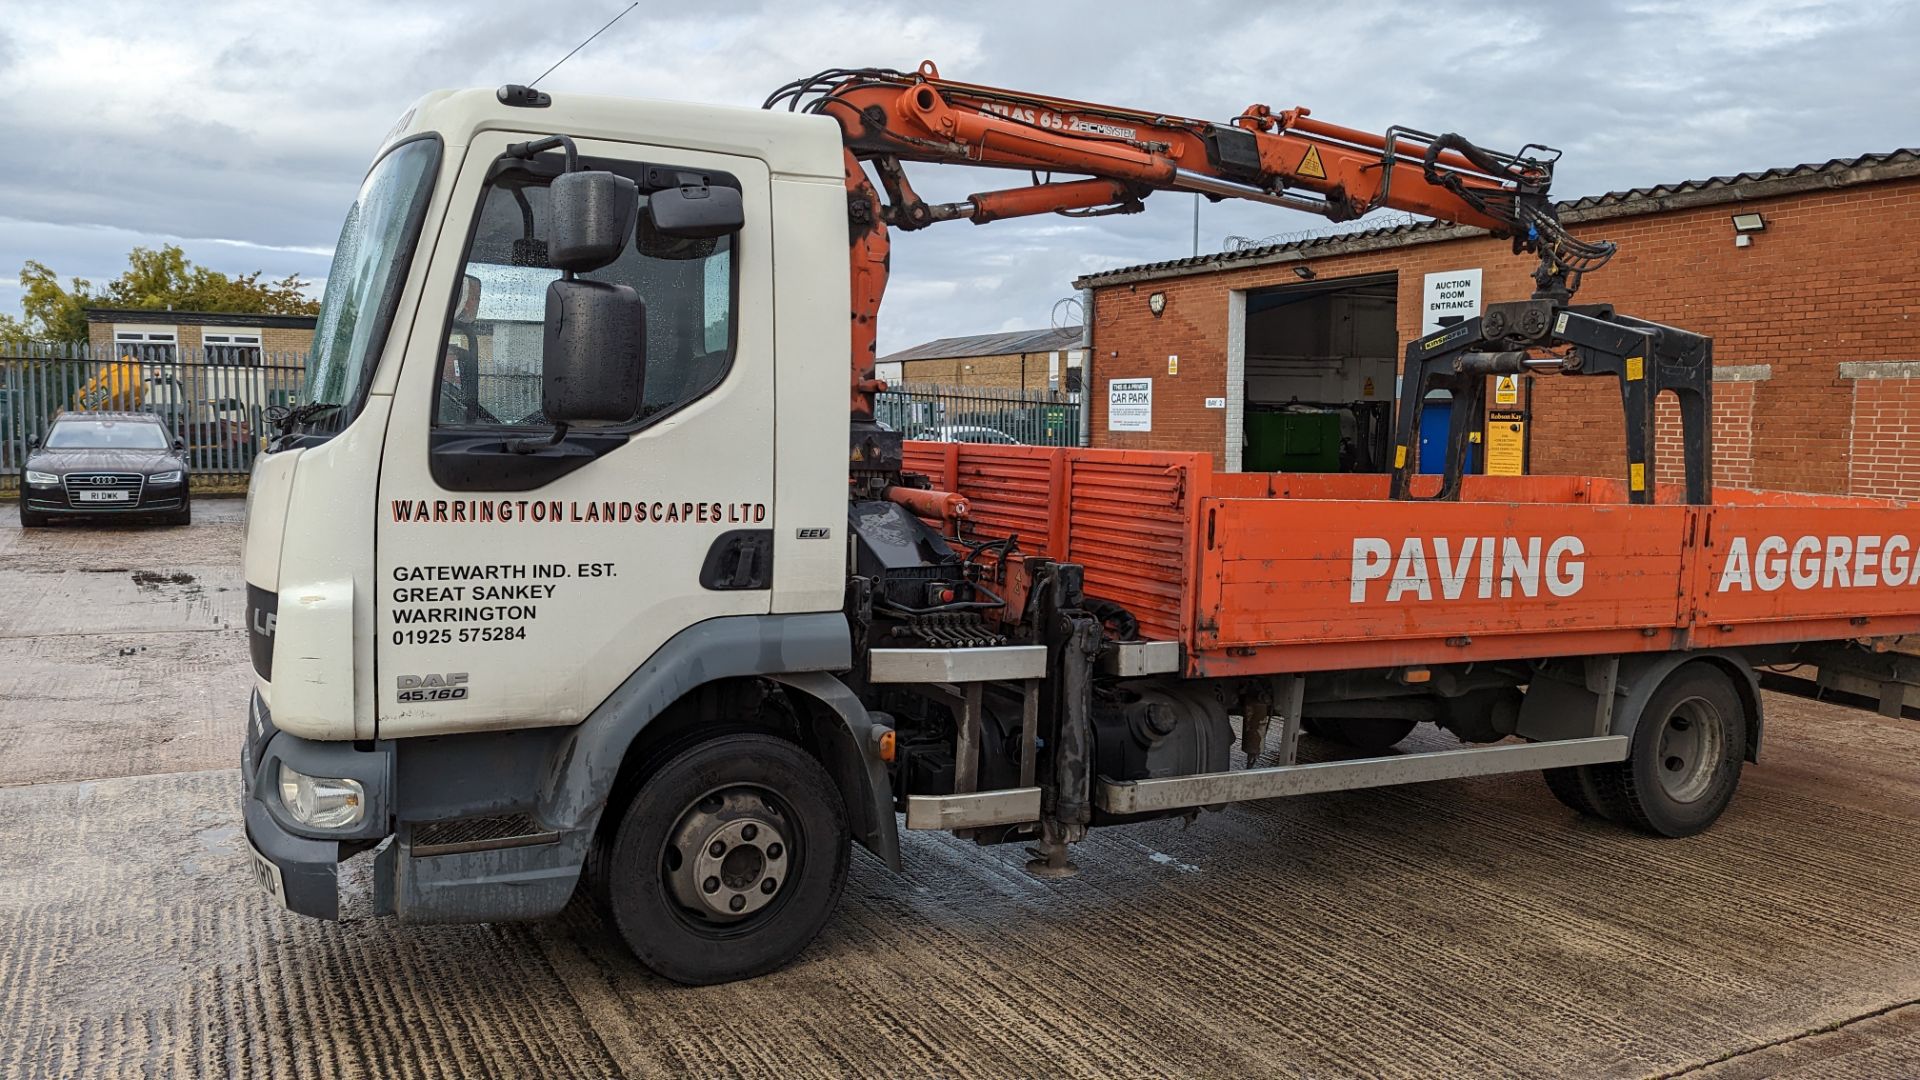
<point x="309" y="859"/>
<point x="148" y="499"/>
<point x="462" y="784"/>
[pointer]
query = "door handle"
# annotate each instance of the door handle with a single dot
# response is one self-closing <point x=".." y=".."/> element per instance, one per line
<point x="739" y="559"/>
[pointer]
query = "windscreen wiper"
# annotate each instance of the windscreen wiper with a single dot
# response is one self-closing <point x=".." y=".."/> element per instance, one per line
<point x="302" y="414"/>
<point x="285" y="419"/>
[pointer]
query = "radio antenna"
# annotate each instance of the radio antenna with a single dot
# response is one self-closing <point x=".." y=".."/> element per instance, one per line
<point x="582" y="45"/>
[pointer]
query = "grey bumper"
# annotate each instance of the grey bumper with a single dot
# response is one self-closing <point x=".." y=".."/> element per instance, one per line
<point x="464" y="782"/>
<point x="309" y="859"/>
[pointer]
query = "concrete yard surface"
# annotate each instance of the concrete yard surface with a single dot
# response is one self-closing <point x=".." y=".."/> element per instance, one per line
<point x="1458" y="928"/>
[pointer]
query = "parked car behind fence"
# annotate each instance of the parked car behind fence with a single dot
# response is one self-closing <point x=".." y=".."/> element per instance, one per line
<point x="978" y="414"/>
<point x="217" y="407"/>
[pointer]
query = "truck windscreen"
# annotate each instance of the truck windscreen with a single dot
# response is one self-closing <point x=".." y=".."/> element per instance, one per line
<point x="370" y="265"/>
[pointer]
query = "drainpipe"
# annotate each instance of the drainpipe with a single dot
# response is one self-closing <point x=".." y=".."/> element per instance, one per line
<point x="1086" y="367"/>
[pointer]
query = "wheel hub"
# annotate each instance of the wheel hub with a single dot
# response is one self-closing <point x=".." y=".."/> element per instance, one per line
<point x="729" y="855"/>
<point x="1690" y="748"/>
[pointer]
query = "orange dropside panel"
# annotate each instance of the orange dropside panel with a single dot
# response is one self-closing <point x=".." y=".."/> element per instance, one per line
<point x="1828" y="568"/>
<point x="1128" y="517"/>
<point x="1132" y="528"/>
<point x="1262" y="573"/>
<point x="1279" y="573"/>
<point x="1008" y="493"/>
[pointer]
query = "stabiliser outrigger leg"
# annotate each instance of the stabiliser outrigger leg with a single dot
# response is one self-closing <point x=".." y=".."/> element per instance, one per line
<point x="1551" y="337"/>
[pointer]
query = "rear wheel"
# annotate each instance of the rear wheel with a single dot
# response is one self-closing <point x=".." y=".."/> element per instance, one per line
<point x="1685" y="760"/>
<point x="1565" y="785"/>
<point x="728" y="860"/>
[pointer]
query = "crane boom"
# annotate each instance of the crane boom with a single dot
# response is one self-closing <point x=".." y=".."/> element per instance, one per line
<point x="1283" y="158"/>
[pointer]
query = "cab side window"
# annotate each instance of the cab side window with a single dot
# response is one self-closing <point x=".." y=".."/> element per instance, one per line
<point x="490" y="371"/>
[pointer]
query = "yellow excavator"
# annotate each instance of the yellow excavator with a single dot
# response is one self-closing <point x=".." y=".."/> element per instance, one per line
<point x="119" y="386"/>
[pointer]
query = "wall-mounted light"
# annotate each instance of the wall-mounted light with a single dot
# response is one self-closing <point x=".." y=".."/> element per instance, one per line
<point x="1157" y="303"/>
<point x="1744" y="226"/>
<point x="1304" y="273"/>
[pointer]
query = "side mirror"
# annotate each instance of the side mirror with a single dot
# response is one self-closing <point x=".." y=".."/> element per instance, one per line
<point x="179" y="445"/>
<point x="590" y="216"/>
<point x="593" y="358"/>
<point x="33" y="442"/>
<point x="697" y="211"/>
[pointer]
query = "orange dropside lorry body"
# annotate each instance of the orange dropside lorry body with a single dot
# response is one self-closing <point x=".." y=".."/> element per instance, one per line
<point x="1272" y="573"/>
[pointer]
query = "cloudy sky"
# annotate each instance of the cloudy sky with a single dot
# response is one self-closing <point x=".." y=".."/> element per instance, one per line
<point x="240" y="131"/>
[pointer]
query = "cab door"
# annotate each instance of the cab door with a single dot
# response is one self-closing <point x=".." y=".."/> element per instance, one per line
<point x="521" y="580"/>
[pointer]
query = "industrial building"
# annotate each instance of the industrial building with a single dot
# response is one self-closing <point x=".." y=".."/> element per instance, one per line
<point x="1013" y="360"/>
<point x="1286" y="356"/>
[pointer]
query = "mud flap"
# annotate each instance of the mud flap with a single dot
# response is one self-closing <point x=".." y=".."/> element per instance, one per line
<point x="856" y="771"/>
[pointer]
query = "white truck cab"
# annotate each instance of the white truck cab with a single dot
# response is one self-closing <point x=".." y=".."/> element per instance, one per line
<point x="459" y="624"/>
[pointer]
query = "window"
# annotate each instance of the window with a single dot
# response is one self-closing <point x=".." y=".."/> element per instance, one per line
<point x="370" y="264"/>
<point x="150" y="344"/>
<point x="235" y="348"/>
<point x="491" y="373"/>
<point x="106" y="435"/>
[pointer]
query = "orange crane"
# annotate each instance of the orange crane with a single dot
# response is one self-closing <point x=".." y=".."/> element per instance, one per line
<point x="1284" y="158"/>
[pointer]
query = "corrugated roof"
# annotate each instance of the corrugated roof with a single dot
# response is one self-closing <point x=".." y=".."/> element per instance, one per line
<point x="1835" y="168"/>
<point x="1839" y="172"/>
<point x="1015" y="341"/>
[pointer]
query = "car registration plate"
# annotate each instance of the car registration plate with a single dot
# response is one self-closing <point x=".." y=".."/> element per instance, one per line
<point x="105" y="496"/>
<point x="267" y="875"/>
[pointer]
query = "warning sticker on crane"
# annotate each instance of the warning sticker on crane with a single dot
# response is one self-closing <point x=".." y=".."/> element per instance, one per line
<point x="1310" y="165"/>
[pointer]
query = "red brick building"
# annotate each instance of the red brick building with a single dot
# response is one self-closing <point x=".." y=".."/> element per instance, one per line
<point x="1815" y="320"/>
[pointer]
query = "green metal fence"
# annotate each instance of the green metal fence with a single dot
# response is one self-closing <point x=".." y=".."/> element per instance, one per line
<point x="977" y="414"/>
<point x="214" y="400"/>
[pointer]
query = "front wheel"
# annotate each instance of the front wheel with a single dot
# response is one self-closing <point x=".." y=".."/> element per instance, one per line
<point x="728" y="860"/>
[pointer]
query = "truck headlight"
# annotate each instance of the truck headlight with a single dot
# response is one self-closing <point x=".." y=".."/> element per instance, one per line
<point x="44" y="479"/>
<point x="165" y="477"/>
<point x="322" y="802"/>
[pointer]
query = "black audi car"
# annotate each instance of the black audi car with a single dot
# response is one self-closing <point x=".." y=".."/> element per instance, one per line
<point x="105" y="464"/>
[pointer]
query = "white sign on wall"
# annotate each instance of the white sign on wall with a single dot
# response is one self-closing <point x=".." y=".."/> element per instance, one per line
<point x="1449" y="293"/>
<point x="1130" y="405"/>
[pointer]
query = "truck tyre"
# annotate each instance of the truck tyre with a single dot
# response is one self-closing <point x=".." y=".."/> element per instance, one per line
<point x="728" y="860"/>
<point x="1565" y="785"/>
<point x="1686" y="755"/>
<point x="1577" y="788"/>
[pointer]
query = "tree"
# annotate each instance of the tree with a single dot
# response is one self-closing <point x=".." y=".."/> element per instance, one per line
<point x="53" y="313"/>
<point x="154" y="280"/>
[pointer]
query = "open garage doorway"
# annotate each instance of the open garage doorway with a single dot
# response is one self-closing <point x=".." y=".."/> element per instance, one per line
<point x="1317" y="378"/>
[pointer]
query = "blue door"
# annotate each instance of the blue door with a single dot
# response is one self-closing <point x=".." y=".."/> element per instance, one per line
<point x="1436" y="426"/>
